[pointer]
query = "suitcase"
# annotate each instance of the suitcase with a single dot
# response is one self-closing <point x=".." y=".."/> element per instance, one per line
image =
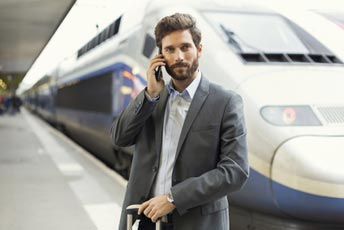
<point x="131" y="211"/>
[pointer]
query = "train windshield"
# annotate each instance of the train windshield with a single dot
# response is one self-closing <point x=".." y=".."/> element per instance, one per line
<point x="255" y="32"/>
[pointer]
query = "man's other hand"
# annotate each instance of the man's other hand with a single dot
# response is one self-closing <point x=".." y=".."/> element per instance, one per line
<point x="156" y="207"/>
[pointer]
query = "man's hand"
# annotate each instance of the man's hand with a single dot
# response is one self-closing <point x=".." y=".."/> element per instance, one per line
<point x="156" y="207"/>
<point x="154" y="87"/>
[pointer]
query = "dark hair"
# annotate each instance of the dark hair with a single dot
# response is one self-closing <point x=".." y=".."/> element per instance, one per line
<point x="177" y="22"/>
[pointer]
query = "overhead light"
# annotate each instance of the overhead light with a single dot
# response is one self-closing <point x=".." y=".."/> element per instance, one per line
<point x="3" y="84"/>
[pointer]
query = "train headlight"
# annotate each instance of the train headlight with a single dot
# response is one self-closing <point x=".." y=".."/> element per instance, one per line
<point x="295" y="115"/>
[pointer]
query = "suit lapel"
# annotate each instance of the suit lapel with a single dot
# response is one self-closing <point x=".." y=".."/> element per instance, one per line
<point x="196" y="104"/>
<point x="159" y="124"/>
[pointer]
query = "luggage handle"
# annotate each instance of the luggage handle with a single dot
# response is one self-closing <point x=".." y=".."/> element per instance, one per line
<point x="131" y="211"/>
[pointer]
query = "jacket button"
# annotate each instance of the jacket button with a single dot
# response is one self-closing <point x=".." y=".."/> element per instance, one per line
<point x="154" y="169"/>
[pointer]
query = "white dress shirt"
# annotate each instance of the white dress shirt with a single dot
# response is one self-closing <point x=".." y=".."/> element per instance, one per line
<point x="176" y="110"/>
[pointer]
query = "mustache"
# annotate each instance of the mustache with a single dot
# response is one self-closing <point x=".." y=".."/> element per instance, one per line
<point x="180" y="64"/>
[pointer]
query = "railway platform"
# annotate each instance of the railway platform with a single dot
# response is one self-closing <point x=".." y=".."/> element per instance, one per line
<point x="49" y="182"/>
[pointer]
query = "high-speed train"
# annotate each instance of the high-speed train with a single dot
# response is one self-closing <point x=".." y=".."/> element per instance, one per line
<point x="291" y="84"/>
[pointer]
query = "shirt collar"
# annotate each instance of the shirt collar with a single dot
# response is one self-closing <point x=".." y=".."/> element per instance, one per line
<point x="190" y="90"/>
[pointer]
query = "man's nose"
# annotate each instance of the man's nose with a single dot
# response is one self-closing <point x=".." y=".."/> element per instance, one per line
<point x="179" y="56"/>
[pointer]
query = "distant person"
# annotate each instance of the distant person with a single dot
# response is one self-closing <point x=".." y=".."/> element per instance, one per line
<point x="13" y="104"/>
<point x="189" y="136"/>
<point x="2" y="105"/>
<point x="7" y="103"/>
<point x="16" y="103"/>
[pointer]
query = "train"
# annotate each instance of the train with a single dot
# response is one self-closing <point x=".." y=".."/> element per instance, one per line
<point x="325" y="24"/>
<point x="290" y="82"/>
<point x="335" y="16"/>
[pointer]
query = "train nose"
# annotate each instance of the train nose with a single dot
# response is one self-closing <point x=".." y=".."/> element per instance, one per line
<point x="308" y="178"/>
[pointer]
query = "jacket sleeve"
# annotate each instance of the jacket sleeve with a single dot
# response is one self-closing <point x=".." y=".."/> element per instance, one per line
<point x="126" y="128"/>
<point x="232" y="169"/>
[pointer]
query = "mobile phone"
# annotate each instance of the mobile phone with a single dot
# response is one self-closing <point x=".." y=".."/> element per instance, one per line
<point x="158" y="71"/>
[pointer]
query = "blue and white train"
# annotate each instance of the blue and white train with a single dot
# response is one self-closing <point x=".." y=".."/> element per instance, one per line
<point x="291" y="84"/>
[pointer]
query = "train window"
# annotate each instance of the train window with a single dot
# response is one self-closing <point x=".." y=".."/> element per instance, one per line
<point x="84" y="49"/>
<point x="107" y="32"/>
<point x="102" y="36"/>
<point x="79" y="52"/>
<point x="313" y="44"/>
<point x="115" y="26"/>
<point x="246" y="32"/>
<point x="89" y="45"/>
<point x="148" y="46"/>
<point x="94" y="43"/>
<point x="91" y="94"/>
<point x="98" y="41"/>
<point x="112" y="29"/>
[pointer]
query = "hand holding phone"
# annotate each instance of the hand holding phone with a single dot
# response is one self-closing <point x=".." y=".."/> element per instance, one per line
<point x="155" y="81"/>
<point x="158" y="71"/>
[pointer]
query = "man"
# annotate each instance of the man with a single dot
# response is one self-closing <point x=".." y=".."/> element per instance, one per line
<point x="189" y="136"/>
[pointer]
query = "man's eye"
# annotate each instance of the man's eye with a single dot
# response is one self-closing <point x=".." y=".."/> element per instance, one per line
<point x="185" y="48"/>
<point x="169" y="50"/>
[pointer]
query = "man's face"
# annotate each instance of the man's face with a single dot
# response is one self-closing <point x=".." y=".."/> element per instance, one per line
<point x="181" y="55"/>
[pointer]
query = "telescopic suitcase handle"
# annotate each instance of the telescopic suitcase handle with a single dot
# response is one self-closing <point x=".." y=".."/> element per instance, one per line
<point x="131" y="211"/>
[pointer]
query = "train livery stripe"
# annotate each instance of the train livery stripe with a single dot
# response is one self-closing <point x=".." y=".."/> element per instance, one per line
<point x="296" y="182"/>
<point x="273" y="197"/>
<point x="307" y="206"/>
<point x="110" y="68"/>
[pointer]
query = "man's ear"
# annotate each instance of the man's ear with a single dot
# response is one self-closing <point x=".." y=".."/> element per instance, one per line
<point x="199" y="50"/>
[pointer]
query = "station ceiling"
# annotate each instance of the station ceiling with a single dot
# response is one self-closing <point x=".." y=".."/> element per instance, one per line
<point x="26" y="26"/>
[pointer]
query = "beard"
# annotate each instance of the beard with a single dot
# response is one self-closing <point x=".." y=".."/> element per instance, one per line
<point x="184" y="73"/>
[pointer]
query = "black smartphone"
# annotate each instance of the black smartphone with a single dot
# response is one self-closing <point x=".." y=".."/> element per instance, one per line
<point x="158" y="71"/>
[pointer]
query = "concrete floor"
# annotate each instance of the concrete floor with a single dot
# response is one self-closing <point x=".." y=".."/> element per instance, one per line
<point x="49" y="182"/>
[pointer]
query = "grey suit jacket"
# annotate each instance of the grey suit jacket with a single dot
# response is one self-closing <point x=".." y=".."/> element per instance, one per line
<point x="211" y="159"/>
